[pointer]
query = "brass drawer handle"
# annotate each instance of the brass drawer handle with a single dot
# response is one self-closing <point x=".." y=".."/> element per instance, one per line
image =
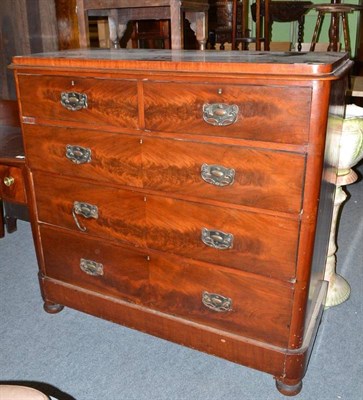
<point x="9" y="180"/>
<point x="217" y="302"/>
<point x="91" y="267"/>
<point x="220" y="114"/>
<point x="74" y="101"/>
<point x="217" y="175"/>
<point x="85" y="210"/>
<point x="217" y="239"/>
<point x="78" y="154"/>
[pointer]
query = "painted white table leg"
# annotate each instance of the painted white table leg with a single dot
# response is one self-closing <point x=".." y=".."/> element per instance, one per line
<point x="351" y="152"/>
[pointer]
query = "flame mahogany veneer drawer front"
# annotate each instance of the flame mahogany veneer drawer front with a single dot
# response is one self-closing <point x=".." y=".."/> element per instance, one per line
<point x="262" y="111"/>
<point x="246" y="304"/>
<point x="253" y="306"/>
<point x="97" y="102"/>
<point x="248" y="241"/>
<point x="104" y="211"/>
<point x="102" y="156"/>
<point x="93" y="264"/>
<point x="240" y="175"/>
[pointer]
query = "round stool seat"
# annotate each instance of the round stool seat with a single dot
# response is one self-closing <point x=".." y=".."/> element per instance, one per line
<point x="335" y="8"/>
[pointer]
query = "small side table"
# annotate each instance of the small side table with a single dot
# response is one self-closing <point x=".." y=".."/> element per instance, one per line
<point x="13" y="200"/>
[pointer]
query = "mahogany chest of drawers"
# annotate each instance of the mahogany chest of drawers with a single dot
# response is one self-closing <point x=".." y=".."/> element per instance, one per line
<point x="187" y="194"/>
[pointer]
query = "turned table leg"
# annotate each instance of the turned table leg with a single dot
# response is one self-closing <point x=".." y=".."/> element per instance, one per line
<point x="198" y="24"/>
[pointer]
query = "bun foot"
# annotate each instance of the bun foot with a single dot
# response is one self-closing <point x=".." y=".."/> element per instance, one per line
<point x="52" y="308"/>
<point x="288" y="390"/>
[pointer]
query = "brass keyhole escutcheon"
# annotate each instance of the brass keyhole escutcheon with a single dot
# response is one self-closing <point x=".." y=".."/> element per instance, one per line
<point x="9" y="180"/>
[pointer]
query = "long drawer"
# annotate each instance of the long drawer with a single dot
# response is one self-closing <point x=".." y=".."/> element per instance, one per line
<point x="240" y="175"/>
<point x="256" y="242"/>
<point x="250" y="306"/>
<point x="238" y="111"/>
<point x="89" y="101"/>
<point x="94" y="264"/>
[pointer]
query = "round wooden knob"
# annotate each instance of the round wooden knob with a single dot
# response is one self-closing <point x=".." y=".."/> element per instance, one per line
<point x="9" y="180"/>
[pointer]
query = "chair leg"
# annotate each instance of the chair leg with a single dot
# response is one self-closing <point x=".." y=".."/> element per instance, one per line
<point x="334" y="32"/>
<point x="346" y="33"/>
<point x="316" y="30"/>
<point x="266" y="28"/>
<point x="234" y="25"/>
<point x="258" y="25"/>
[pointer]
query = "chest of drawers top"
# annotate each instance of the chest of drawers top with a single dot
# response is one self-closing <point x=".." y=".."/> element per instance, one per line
<point x="237" y="96"/>
<point x="256" y="63"/>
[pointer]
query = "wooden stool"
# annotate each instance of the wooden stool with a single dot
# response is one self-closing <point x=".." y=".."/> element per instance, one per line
<point x="337" y="11"/>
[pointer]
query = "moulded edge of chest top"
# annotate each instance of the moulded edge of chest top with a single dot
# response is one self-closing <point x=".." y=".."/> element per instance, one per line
<point x="179" y="76"/>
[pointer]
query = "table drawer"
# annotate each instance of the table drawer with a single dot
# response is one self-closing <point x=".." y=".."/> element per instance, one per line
<point x="254" y="242"/>
<point x="12" y="186"/>
<point x="250" y="306"/>
<point x="94" y="264"/>
<point x="240" y="175"/>
<point x="102" y="156"/>
<point x="263" y="113"/>
<point x="102" y="211"/>
<point x="101" y="102"/>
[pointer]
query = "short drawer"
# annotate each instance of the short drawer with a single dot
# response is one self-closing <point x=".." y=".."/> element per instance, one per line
<point x="240" y="175"/>
<point x="94" y="264"/>
<point x="247" y="305"/>
<point x="12" y="186"/>
<point x="90" y="101"/>
<point x="254" y="242"/>
<point x="102" y="156"/>
<point x="103" y="211"/>
<point x="263" y="113"/>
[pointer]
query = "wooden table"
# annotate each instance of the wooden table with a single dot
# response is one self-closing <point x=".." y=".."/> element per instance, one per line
<point x="12" y="188"/>
<point x="12" y="168"/>
<point x="119" y="13"/>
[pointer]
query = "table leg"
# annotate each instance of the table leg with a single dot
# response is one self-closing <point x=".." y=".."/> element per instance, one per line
<point x="176" y="25"/>
<point x="316" y="31"/>
<point x="198" y="24"/>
